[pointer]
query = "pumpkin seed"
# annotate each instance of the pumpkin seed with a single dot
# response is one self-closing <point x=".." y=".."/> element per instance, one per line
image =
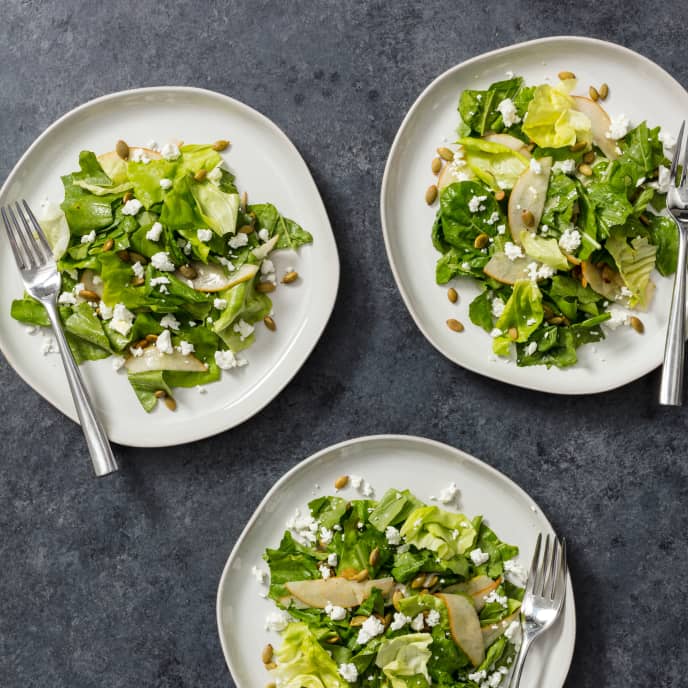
<point x="604" y="91"/>
<point x="137" y="258"/>
<point x="374" y="557"/>
<point x="188" y="271"/>
<point x="481" y="240"/>
<point x="418" y="581"/>
<point x="387" y="619"/>
<point x="107" y="246"/>
<point x="127" y="197"/>
<point x="269" y="323"/>
<point x="594" y="94"/>
<point x="171" y="403"/>
<point x="566" y="75"/>
<point x="431" y="194"/>
<point x="452" y="295"/>
<point x="341" y="482"/>
<point x="432" y="581"/>
<point x="436" y="165"/>
<point x="138" y="281"/>
<point x="578" y="146"/>
<point x="445" y="153"/>
<point x="290" y="277"/>
<point x="151" y="337"/>
<point x="513" y="333"/>
<point x="332" y="640"/>
<point x="585" y="169"/>
<point x="499" y="196"/>
<point x="361" y="575"/>
<point x="270" y="666"/>
<point x="246" y="229"/>
<point x="637" y="324"/>
<point x="454" y="325"/>
<point x="358" y="621"/>
<point x="89" y="295"/>
<point x="396" y="598"/>
<point x="266" y="654"/>
<point x="265" y="287"/>
<point x="220" y="145"/>
<point x="123" y="255"/>
<point x="122" y="149"/>
<point x="160" y="394"/>
<point x="528" y="217"/>
<point x="271" y="685"/>
<point x="349" y="574"/>
<point x="201" y="174"/>
<point x="244" y="201"/>
<point x="589" y="157"/>
<point x="556" y="320"/>
<point x="644" y="219"/>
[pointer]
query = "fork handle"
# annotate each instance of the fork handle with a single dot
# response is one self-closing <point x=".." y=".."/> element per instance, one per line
<point x="671" y="387"/>
<point x="98" y="445"/>
<point x="520" y="661"/>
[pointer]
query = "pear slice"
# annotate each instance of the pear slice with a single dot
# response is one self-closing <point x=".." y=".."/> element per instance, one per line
<point x="501" y="268"/>
<point x="153" y="359"/>
<point x="213" y="278"/>
<point x="478" y="588"/>
<point x="116" y="168"/>
<point x="529" y="193"/>
<point x="263" y="251"/>
<point x="610" y="287"/>
<point x="336" y="590"/>
<point x="491" y="634"/>
<point x="464" y="626"/>
<point x="510" y="142"/>
<point x="600" y="125"/>
<point x="89" y="282"/>
<point x="451" y="174"/>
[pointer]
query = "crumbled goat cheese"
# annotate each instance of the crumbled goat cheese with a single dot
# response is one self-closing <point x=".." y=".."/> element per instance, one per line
<point x="277" y="621"/>
<point x="153" y="145"/>
<point x="355" y="481"/>
<point x="497" y="308"/>
<point x="478" y="676"/>
<point x="535" y="166"/>
<point x="132" y="207"/>
<point x="139" y="155"/>
<point x="49" y="345"/>
<point x="259" y="574"/>
<point x="448" y="494"/>
<point x="325" y="571"/>
<point x="513" y="631"/>
<point x="400" y="620"/>
<point x="136" y="351"/>
<point x="169" y="321"/>
<point x="493" y="218"/>
<point x="204" y="234"/>
<point x="238" y="240"/>
<point x="226" y="360"/>
<point x="161" y="261"/>
<point x="433" y="618"/>
<point x="494" y="596"/>
<point x="625" y="291"/>
<point x="501" y="229"/>
<point x="496" y="332"/>
<point x="466" y="266"/>
<point x="267" y="267"/>
<point x="475" y="204"/>
<point x="371" y="628"/>
<point x="620" y="316"/>
<point x="513" y="251"/>
<point x="570" y="240"/>
<point x="226" y="263"/>
<point x="565" y="166"/>
<point x="418" y="622"/>
<point x="263" y="235"/>
<point x="165" y="184"/>
<point x="220" y="304"/>
<point x="215" y="175"/>
<point x="348" y="672"/>
<point x="335" y="612"/>
<point x="186" y="348"/>
<point x="508" y="111"/>
<point x="157" y="281"/>
<point x="67" y="297"/>
<point x="667" y="139"/>
<point x="243" y="329"/>
<point x="332" y="559"/>
<point x="138" y="270"/>
<point x="122" y="319"/>
<point x="170" y="151"/>
<point x="479" y="557"/>
<point x="164" y="343"/>
<point x="663" y="182"/>
<point x="393" y="536"/>
<point x="619" y="127"/>
<point x="531" y="348"/>
<point x="153" y="234"/>
<point x="89" y="238"/>
<point x="303" y="527"/>
<point x="515" y="573"/>
<point x="326" y="535"/>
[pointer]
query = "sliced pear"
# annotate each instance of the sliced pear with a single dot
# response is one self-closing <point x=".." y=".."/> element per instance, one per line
<point x="451" y="174"/>
<point x="607" y="282"/>
<point x="478" y="588"/>
<point x="153" y="359"/>
<point x="90" y="283"/>
<point x="116" y="168"/>
<point x="510" y="142"/>
<point x="213" y="278"/>
<point x="263" y="251"/>
<point x="501" y="268"/>
<point x="464" y="626"/>
<point x="600" y="125"/>
<point x="529" y="193"/>
<point x="336" y="590"/>
<point x="491" y="634"/>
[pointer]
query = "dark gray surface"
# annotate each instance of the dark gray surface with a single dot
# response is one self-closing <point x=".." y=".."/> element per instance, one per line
<point x="113" y="583"/>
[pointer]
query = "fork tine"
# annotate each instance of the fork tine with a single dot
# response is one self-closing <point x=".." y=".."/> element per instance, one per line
<point x="677" y="154"/>
<point x="545" y="567"/>
<point x="30" y="236"/>
<point x="685" y="164"/>
<point x="560" y="592"/>
<point x="48" y="252"/>
<point x="553" y="572"/>
<point x="18" y="256"/>
<point x="23" y="240"/>
<point x="534" y="566"/>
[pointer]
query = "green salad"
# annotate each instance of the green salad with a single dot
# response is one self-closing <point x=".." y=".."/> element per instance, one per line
<point x="393" y="593"/>
<point x="552" y="206"/>
<point x="164" y="265"/>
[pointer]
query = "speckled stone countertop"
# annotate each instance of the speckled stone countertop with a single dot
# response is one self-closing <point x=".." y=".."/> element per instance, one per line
<point x="113" y="582"/>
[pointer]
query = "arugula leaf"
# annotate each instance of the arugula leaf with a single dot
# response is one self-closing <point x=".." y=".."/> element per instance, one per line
<point x="480" y="311"/>
<point x="664" y="235"/>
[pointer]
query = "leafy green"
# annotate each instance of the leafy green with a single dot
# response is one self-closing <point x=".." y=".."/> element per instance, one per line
<point x="146" y="384"/>
<point x="523" y="311"/>
<point x="546" y="251"/>
<point x="480" y="311"/>
<point x="393" y="509"/>
<point x="217" y="208"/>
<point x="289" y="562"/>
<point x="478" y="109"/>
<point x="665" y="237"/>
<point x="496" y="165"/>
<point x="404" y="660"/>
<point x="635" y="262"/>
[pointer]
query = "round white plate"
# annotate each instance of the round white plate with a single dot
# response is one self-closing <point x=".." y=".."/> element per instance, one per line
<point x="638" y="88"/>
<point x="269" y="168"/>
<point x="385" y="461"/>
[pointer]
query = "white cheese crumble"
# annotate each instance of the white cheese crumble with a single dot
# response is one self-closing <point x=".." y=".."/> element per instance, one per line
<point x="89" y="238"/>
<point x="325" y="571"/>
<point x="496" y="332"/>
<point x="476" y="203"/>
<point x="433" y="618"/>
<point x="515" y="573"/>
<point x="501" y="229"/>
<point x="67" y="297"/>
<point x="304" y="528"/>
<point x="264" y="235"/>
<point x="667" y="139"/>
<point x="153" y="234"/>
<point x="139" y="155"/>
<point x="479" y="557"/>
<point x="169" y="321"/>
<point x="204" y="235"/>
<point x="448" y="494"/>
<point x="535" y="166"/>
<point x="153" y="145"/>
<point x="170" y="151"/>
<point x="565" y="166"/>
<point x="620" y="316"/>
<point x="138" y="270"/>
<point x="478" y="676"/>
<point x="164" y="343"/>
<point x="186" y="348"/>
<point x="326" y="535"/>
<point x="238" y="240"/>
<point x="215" y="175"/>
<point x="161" y="261"/>
<point x="508" y="111"/>
<point x="49" y="345"/>
<point x="348" y="672"/>
<point x="122" y="319"/>
<point x="399" y="621"/>
<point x="332" y="559"/>
<point x="513" y="632"/>
<point x="277" y="621"/>
<point x="570" y="240"/>
<point x="335" y="612"/>
<point x="132" y="207"/>
<point x="619" y="127"/>
<point x="493" y="218"/>
<point x="157" y="281"/>
<point x="226" y="263"/>
<point x="494" y="596"/>
<point x="243" y="329"/>
<point x="267" y="267"/>
<point x="136" y="351"/>
<point x="220" y="304"/>
<point x="497" y="308"/>
<point x="259" y="574"/>
<point x="393" y="536"/>
<point x="663" y="182"/>
<point x="166" y="184"/>
<point x="226" y="360"/>
<point x="418" y="622"/>
<point x="513" y="251"/>
<point x="371" y="628"/>
<point x="531" y="348"/>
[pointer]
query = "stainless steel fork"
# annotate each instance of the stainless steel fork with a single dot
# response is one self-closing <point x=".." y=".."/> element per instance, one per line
<point x="671" y="387"/>
<point x="544" y="596"/>
<point x="42" y="281"/>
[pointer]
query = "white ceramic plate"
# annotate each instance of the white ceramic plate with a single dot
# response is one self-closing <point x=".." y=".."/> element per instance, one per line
<point x="270" y="168"/>
<point x="385" y="461"/>
<point x="638" y="88"/>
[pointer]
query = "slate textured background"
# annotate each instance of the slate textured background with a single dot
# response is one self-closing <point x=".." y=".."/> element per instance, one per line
<point x="113" y="582"/>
